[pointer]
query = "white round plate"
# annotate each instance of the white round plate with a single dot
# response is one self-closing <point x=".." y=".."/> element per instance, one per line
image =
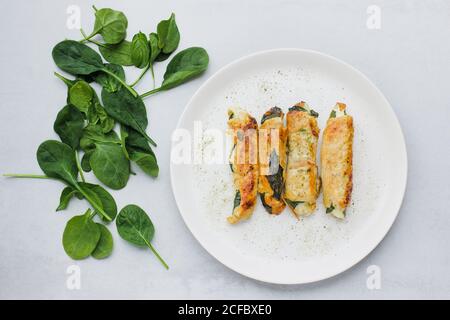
<point x="281" y="249"/>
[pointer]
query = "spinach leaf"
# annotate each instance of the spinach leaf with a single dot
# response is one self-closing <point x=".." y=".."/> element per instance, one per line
<point x="154" y="48"/>
<point x="330" y="209"/>
<point x="184" y="66"/>
<point x="94" y="134"/>
<point x="105" y="243"/>
<point x="237" y="200"/>
<point x="85" y="165"/>
<point x="292" y="203"/>
<point x="169" y="36"/>
<point x="265" y="204"/>
<point x="135" y="226"/>
<point x="140" y="152"/>
<point x="110" y="165"/>
<point x="274" y="112"/>
<point x="107" y="81"/>
<point x="66" y="195"/>
<point x="81" y="96"/>
<point x="81" y="236"/>
<point x="102" y="198"/>
<point x="111" y="24"/>
<point x="146" y="161"/>
<point x="126" y="109"/>
<point x="140" y="50"/>
<point x="69" y="125"/>
<point x="333" y="115"/>
<point x="57" y="160"/>
<point x="76" y="58"/>
<point x="118" y="54"/>
<point x="97" y="115"/>
<point x="79" y="59"/>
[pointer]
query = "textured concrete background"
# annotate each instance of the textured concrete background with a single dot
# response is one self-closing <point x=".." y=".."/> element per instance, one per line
<point x="408" y="59"/>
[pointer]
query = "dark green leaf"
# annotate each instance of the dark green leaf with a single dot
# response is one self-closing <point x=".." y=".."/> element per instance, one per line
<point x="147" y="162"/>
<point x="66" y="195"/>
<point x="102" y="198"/>
<point x="57" y="160"/>
<point x="81" y="236"/>
<point x="140" y="50"/>
<point x="81" y="96"/>
<point x="274" y="112"/>
<point x="154" y="48"/>
<point x="292" y="204"/>
<point x="237" y="199"/>
<point x="110" y="165"/>
<point x="134" y="226"/>
<point x="107" y="81"/>
<point x="118" y="54"/>
<point x="185" y="65"/>
<point x="111" y="24"/>
<point x="94" y="134"/>
<point x="169" y="36"/>
<point x="105" y="243"/>
<point x="85" y="165"/>
<point x="126" y="109"/>
<point x="69" y="125"/>
<point x="330" y="208"/>
<point x="76" y="58"/>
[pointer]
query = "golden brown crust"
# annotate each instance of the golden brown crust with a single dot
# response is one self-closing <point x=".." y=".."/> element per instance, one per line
<point x="337" y="163"/>
<point x="302" y="181"/>
<point x="272" y="160"/>
<point x="244" y="163"/>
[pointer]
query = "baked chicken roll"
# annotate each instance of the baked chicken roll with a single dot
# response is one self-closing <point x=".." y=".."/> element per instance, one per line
<point x="272" y="160"/>
<point x="243" y="163"/>
<point x="302" y="181"/>
<point x="336" y="161"/>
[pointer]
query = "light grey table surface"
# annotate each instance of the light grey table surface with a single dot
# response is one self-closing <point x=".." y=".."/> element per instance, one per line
<point x="408" y="58"/>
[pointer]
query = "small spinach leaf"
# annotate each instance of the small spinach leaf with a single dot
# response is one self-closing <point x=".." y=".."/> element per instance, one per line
<point x="107" y="81"/>
<point x="110" y="165"/>
<point x="105" y="243"/>
<point x="111" y="24"/>
<point x="66" y="195"/>
<point x="140" y="50"/>
<point x="81" y="96"/>
<point x="103" y="199"/>
<point x="118" y="54"/>
<point x="126" y="109"/>
<point x="81" y="236"/>
<point x="57" y="160"/>
<point x="135" y="226"/>
<point x="69" y="125"/>
<point x="169" y="36"/>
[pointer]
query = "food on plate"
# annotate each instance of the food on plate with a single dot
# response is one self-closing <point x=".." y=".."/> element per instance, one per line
<point x="336" y="161"/>
<point x="302" y="181"/>
<point x="272" y="160"/>
<point x="243" y="163"/>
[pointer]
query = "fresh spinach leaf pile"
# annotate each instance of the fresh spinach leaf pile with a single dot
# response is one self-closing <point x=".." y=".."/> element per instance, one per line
<point x="106" y="133"/>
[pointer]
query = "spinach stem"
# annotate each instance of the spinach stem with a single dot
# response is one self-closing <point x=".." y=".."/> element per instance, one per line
<point x="88" y="198"/>
<point x="88" y="38"/>
<point x="153" y="75"/>
<point x="77" y="159"/>
<point x="31" y="176"/>
<point x="157" y="254"/>
<point x="112" y="74"/>
<point x="140" y="76"/>
<point x="149" y="93"/>
<point x="63" y="79"/>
